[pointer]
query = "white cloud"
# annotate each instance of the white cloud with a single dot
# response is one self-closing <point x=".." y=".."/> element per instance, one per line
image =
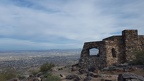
<point x="54" y="22"/>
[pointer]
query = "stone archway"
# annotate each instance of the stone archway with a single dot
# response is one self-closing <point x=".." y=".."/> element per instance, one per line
<point x="87" y="48"/>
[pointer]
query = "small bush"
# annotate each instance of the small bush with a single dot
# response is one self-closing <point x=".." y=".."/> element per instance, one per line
<point x="47" y="74"/>
<point x="2" y="77"/>
<point x="7" y="74"/>
<point x="34" y="72"/>
<point x="52" y="78"/>
<point x="46" y="67"/>
<point x="139" y="58"/>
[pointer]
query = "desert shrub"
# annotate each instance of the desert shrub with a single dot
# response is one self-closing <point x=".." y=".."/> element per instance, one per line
<point x="34" y="72"/>
<point x="46" y="67"/>
<point x="47" y="74"/>
<point x="21" y="77"/>
<point x="7" y="74"/>
<point x="52" y="78"/>
<point x="2" y="77"/>
<point x="139" y="58"/>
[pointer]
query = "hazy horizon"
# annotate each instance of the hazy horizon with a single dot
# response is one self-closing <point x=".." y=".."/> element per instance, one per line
<point x="39" y="49"/>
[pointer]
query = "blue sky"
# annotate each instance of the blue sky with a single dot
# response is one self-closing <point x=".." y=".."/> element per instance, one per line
<point x="65" y="24"/>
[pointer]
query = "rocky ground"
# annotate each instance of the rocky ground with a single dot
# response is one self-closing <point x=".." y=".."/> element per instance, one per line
<point x="67" y="74"/>
<point x="74" y="73"/>
<point x="106" y="74"/>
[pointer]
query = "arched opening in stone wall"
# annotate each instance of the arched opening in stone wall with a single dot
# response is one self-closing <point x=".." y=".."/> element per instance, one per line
<point x="94" y="52"/>
<point x="113" y="52"/>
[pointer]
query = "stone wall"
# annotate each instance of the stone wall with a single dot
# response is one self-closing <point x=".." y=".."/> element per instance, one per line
<point x="87" y="60"/>
<point x="112" y="50"/>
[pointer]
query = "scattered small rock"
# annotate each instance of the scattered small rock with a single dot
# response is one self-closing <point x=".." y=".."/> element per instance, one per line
<point x="88" y="78"/>
<point x="74" y="68"/>
<point x="82" y="71"/>
<point x="60" y="68"/>
<point x="69" y="77"/>
<point x="92" y="69"/>
<point x="77" y="78"/>
<point x="39" y="74"/>
<point x="92" y="75"/>
<point x="62" y="76"/>
<point x="37" y="79"/>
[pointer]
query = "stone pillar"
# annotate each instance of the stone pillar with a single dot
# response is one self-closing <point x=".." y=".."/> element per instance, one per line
<point x="130" y="40"/>
<point x="84" y="53"/>
<point x="85" y="50"/>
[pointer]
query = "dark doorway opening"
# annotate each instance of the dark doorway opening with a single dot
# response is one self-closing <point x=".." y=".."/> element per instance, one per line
<point x="113" y="53"/>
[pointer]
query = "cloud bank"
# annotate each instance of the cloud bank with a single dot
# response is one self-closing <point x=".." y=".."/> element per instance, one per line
<point x="65" y="24"/>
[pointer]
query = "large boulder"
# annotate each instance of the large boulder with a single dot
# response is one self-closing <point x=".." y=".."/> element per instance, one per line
<point x="82" y="71"/>
<point x="76" y="78"/>
<point x="88" y="78"/>
<point x="73" y="77"/>
<point x="130" y="76"/>
<point x="74" y="67"/>
<point x="14" y="79"/>
<point x="92" y="75"/>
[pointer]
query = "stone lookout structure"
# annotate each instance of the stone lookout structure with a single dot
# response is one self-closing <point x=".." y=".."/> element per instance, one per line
<point x="112" y="50"/>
